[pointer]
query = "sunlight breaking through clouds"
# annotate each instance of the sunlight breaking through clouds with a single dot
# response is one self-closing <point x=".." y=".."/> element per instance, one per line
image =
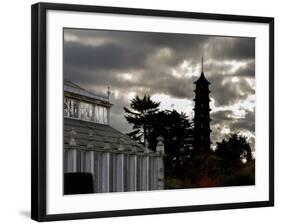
<point x="169" y="103"/>
<point x="165" y="66"/>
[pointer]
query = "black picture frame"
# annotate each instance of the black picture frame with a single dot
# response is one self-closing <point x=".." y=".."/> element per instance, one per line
<point x="39" y="123"/>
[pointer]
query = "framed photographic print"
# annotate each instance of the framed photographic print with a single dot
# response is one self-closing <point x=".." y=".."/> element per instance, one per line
<point x="138" y="111"/>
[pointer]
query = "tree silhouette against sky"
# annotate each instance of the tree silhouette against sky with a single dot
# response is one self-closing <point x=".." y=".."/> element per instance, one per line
<point x="232" y="162"/>
<point x="139" y="115"/>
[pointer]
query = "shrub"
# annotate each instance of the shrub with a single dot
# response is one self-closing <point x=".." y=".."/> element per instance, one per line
<point x="78" y="183"/>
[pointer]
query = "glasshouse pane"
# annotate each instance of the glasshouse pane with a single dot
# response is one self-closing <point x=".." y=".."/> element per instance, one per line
<point x="96" y="114"/>
<point x="65" y="107"/>
<point x="75" y="109"/>
<point x="86" y="111"/>
<point x="105" y="120"/>
<point x="70" y="108"/>
<point x="100" y="118"/>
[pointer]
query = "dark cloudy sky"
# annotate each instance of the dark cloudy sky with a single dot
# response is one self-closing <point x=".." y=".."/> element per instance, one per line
<point x="165" y="66"/>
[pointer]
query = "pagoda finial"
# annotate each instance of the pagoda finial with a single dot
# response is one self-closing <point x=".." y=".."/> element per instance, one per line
<point x="202" y="64"/>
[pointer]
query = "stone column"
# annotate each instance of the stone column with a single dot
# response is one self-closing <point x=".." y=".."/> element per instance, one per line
<point x="104" y="172"/>
<point x="82" y="161"/>
<point x="97" y="176"/>
<point x="89" y="162"/>
<point x="119" y="172"/>
<point x="160" y="173"/>
<point x="90" y="165"/>
<point x="71" y="155"/>
<point x="152" y="173"/>
<point x="132" y="173"/>
<point x="160" y="163"/>
<point x="144" y="181"/>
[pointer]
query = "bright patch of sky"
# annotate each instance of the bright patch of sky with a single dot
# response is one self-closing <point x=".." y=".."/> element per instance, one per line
<point x="169" y="103"/>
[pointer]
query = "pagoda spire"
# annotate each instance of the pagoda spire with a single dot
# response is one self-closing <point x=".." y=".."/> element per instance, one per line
<point x="202" y="64"/>
<point x="202" y="130"/>
<point x="202" y="80"/>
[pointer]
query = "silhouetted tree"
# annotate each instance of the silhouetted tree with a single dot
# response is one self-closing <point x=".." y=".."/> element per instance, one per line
<point x="234" y="151"/>
<point x="232" y="162"/>
<point x="139" y="115"/>
<point x="176" y="129"/>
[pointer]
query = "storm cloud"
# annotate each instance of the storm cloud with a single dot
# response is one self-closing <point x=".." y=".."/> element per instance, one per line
<point x="165" y="66"/>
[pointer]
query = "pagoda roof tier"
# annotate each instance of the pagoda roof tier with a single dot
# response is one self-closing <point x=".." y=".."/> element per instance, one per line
<point x="202" y="99"/>
<point x="202" y="90"/>
<point x="202" y="80"/>
<point x="200" y="108"/>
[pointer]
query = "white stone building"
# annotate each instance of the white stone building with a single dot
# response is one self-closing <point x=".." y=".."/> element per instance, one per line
<point x="91" y="145"/>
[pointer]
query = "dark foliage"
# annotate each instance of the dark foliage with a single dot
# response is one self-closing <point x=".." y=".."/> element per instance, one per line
<point x="140" y="115"/>
<point x="230" y="164"/>
<point x="176" y="129"/>
<point x="234" y="150"/>
<point x="244" y="176"/>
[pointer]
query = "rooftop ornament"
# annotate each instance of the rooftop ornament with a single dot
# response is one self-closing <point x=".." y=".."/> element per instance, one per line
<point x="160" y="145"/>
<point x="134" y="149"/>
<point x="146" y="146"/>
<point x="120" y="147"/>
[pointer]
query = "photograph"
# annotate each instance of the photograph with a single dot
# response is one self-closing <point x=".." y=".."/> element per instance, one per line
<point x="139" y="111"/>
<point x="157" y="111"/>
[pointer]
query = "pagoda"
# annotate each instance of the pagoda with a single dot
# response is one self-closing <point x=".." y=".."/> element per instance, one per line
<point x="202" y="110"/>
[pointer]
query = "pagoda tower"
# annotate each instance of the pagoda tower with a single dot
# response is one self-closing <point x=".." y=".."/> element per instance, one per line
<point x="202" y="110"/>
